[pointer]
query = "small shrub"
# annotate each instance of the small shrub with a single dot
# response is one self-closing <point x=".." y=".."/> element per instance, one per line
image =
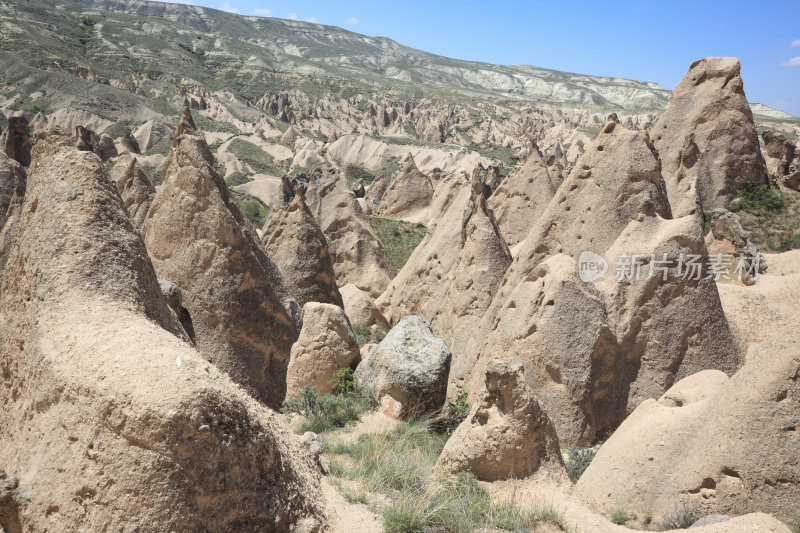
<point x="619" y="517"/>
<point x="343" y="381"/>
<point x="681" y="517"/>
<point x="460" y="406"/>
<point x="366" y="334"/>
<point x="578" y="460"/>
<point x="758" y="198"/>
<point x="323" y="413"/>
<point x="353" y="173"/>
<point x="255" y="211"/>
<point x="706" y="222"/>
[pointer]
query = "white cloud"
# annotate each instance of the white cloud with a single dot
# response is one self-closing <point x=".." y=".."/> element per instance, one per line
<point x="793" y="62"/>
<point x="796" y="43"/>
<point x="262" y="12"/>
<point x="312" y="19"/>
<point x="352" y="21"/>
<point x="292" y="16"/>
<point x="226" y="6"/>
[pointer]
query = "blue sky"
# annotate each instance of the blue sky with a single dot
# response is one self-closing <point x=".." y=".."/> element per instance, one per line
<point x="643" y="40"/>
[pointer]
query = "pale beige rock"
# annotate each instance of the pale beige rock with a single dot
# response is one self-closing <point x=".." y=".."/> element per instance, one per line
<point x="357" y="255"/>
<point x="245" y="317"/>
<point x="360" y="307"/>
<point x="506" y="433"/>
<point x="134" y="186"/>
<point x="729" y="241"/>
<point x="522" y="197"/>
<point x="295" y="243"/>
<point x="708" y="130"/>
<point x="150" y="134"/>
<point x="409" y="192"/>
<point x="110" y="421"/>
<point x="12" y="182"/>
<point x="778" y="154"/>
<point x="374" y="193"/>
<point x="326" y="344"/>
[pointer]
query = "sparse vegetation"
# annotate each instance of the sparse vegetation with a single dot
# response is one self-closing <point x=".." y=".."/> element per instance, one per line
<point x="323" y="413"/>
<point x="461" y="405"/>
<point x="358" y="172"/>
<point x="777" y="230"/>
<point x="162" y="147"/>
<point x="619" y="516"/>
<point x="260" y="161"/>
<point x="399" y="464"/>
<point x="366" y="334"/>
<point x="255" y="210"/>
<point x="153" y="174"/>
<point x="343" y="381"/>
<point x="237" y="178"/>
<point x="758" y="198"/>
<point x="681" y="517"/>
<point x="578" y="460"/>
<point x="399" y="238"/>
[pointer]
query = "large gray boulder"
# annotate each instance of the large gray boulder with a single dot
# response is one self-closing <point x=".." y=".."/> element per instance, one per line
<point x="407" y="372"/>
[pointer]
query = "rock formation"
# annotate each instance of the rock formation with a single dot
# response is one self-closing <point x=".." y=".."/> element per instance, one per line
<point x="245" y="317"/>
<point x="357" y="255"/>
<point x="708" y="132"/>
<point x="727" y="237"/>
<point x="407" y="371"/>
<point x="778" y="154"/>
<point x="15" y="141"/>
<point x="134" y="186"/>
<point x="594" y="351"/>
<point x="506" y="434"/>
<point x="326" y="344"/>
<point x="374" y="193"/>
<point x="297" y="246"/>
<point x="88" y="141"/>
<point x="150" y="134"/>
<point x="360" y="308"/>
<point x="410" y="191"/>
<point x="522" y="197"/>
<point x="110" y="421"/>
<point x="127" y="143"/>
<point x="12" y="183"/>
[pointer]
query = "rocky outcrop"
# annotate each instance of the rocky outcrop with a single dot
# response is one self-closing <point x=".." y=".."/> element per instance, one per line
<point x="778" y="154"/>
<point x="706" y="139"/>
<point x="409" y="191"/>
<point x="245" y="317"/>
<point x="595" y="348"/>
<point x="326" y="344"/>
<point x="134" y="186"/>
<point x="506" y="434"/>
<point x="110" y="420"/>
<point x="374" y="193"/>
<point x="150" y="134"/>
<point x="357" y="255"/>
<point x="728" y="238"/>
<point x="15" y="141"/>
<point x="360" y="308"/>
<point x="407" y="372"/>
<point x="12" y="184"/>
<point x="88" y="141"/>
<point x="296" y="244"/>
<point x="522" y="197"/>
<point x="127" y="143"/>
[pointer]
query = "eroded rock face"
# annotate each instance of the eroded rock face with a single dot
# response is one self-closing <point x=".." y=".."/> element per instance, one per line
<point x="374" y="193"/>
<point x="522" y="197"/>
<point x="150" y="134"/>
<point x="360" y="308"/>
<point x="357" y="255"/>
<point x="134" y="186"/>
<point x="407" y="371"/>
<point x="506" y="434"/>
<point x="778" y="154"/>
<point x="296" y="244"/>
<point x="326" y="344"/>
<point x="134" y="415"/>
<point x="727" y="237"/>
<point x="12" y="183"/>
<point x="706" y="139"/>
<point x="15" y="141"/>
<point x="88" y="141"/>
<point x="410" y="191"/>
<point x="245" y="317"/>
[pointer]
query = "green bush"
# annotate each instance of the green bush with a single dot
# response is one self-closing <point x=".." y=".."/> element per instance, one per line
<point x="399" y="238"/>
<point x="366" y="334"/>
<point x="758" y="198"/>
<point x="237" y="178"/>
<point x="343" y="381"/>
<point x="578" y="460"/>
<point x="323" y="413"/>
<point x="619" y="516"/>
<point x="353" y="173"/>
<point x="255" y="211"/>
<point x="460" y="406"/>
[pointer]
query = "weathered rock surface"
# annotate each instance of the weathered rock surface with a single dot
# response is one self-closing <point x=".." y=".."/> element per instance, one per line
<point x="326" y="344"/>
<point x="374" y="193"/>
<point x="778" y="154"/>
<point x="127" y="143"/>
<point x="357" y="255"/>
<point x="15" y="141"/>
<point x="727" y="237"/>
<point x="110" y="421"/>
<point x="360" y="308"/>
<point x="506" y="434"/>
<point x="245" y="317"/>
<point x="296" y="244"/>
<point x="88" y="141"/>
<point x="522" y="197"/>
<point x="409" y="192"/>
<point x="150" y="134"/>
<point x="407" y="371"/>
<point x="134" y="186"/>
<point x="706" y="139"/>
<point x="12" y="183"/>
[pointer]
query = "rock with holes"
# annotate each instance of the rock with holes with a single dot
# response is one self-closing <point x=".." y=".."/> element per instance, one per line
<point x="706" y="139"/>
<point x="594" y="348"/>
<point x="130" y="417"/>
<point x="326" y="344"/>
<point x="296" y="244"/>
<point x="244" y="315"/>
<point x="134" y="186"/>
<point x="506" y="434"/>
<point x="522" y="197"/>
<point x="357" y="255"/>
<point x="407" y="372"/>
